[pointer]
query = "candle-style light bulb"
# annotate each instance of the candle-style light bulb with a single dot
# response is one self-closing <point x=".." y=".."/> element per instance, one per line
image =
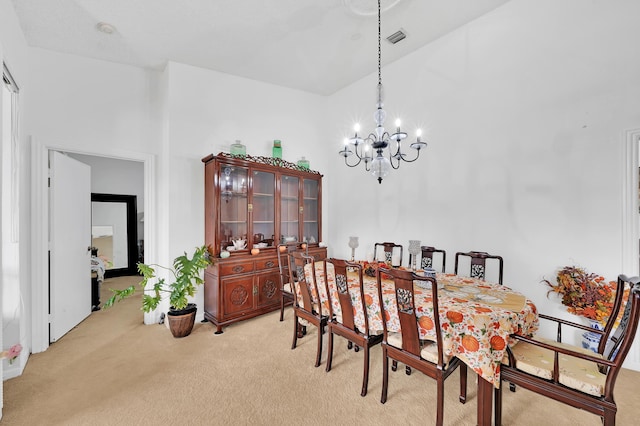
<point x="398" y="124"/>
<point x="356" y="127"/>
<point x="418" y="134"/>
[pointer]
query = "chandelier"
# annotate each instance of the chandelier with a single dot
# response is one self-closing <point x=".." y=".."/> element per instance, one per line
<point x="371" y="150"/>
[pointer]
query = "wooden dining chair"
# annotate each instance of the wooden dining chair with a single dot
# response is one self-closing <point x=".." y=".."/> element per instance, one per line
<point x="308" y="308"/>
<point x="574" y="375"/>
<point x="343" y="323"/>
<point x="406" y="346"/>
<point x="286" y="289"/>
<point x="427" y="259"/>
<point x="479" y="263"/>
<point x="388" y="249"/>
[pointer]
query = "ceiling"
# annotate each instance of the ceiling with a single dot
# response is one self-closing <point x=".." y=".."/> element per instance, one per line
<point x="319" y="46"/>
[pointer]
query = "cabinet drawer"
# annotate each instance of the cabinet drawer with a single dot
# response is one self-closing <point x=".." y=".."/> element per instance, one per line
<point x="266" y="264"/>
<point x="236" y="268"/>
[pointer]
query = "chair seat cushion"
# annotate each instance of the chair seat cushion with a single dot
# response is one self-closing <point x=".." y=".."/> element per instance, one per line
<point x="576" y="373"/>
<point x="287" y="288"/>
<point x="429" y="351"/>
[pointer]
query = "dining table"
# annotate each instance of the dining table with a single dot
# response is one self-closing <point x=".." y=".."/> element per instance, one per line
<point x="476" y="317"/>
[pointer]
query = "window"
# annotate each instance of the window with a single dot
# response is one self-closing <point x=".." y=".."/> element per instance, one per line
<point x="10" y="155"/>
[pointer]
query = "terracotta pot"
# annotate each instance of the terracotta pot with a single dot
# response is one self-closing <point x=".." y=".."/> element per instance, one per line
<point x="181" y="321"/>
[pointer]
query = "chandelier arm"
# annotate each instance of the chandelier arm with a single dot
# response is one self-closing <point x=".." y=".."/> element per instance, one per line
<point x="410" y="161"/>
<point x="391" y="158"/>
<point x="353" y="165"/>
<point x="397" y="150"/>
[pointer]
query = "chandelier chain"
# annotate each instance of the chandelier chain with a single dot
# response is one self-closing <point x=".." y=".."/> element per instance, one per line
<point x="379" y="48"/>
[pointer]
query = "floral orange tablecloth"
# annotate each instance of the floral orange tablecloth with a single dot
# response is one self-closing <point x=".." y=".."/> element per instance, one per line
<point x="476" y="316"/>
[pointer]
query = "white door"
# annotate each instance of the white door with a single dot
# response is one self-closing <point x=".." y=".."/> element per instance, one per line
<point x="70" y="239"/>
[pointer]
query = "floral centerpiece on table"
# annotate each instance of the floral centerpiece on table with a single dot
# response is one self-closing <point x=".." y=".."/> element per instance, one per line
<point x="585" y="294"/>
<point x="371" y="268"/>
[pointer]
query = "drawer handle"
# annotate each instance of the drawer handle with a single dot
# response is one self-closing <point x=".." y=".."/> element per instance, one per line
<point x="238" y="268"/>
<point x="270" y="264"/>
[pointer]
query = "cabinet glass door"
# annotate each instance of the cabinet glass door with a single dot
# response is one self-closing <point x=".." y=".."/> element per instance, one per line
<point x="310" y="197"/>
<point x="263" y="209"/>
<point x="233" y="205"/>
<point x="289" y="209"/>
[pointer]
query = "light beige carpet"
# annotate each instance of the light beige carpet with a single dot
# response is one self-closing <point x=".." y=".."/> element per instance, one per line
<point x="114" y="370"/>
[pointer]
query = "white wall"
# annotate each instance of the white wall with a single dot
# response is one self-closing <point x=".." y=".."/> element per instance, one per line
<point x="525" y="111"/>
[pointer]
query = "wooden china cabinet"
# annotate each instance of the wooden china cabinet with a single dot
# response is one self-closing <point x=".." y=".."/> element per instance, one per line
<point x="264" y="201"/>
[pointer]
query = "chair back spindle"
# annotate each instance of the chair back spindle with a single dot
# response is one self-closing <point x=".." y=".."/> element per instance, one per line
<point x="478" y="264"/>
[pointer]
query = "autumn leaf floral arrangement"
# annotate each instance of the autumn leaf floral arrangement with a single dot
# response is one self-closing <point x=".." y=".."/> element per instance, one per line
<point x="583" y="293"/>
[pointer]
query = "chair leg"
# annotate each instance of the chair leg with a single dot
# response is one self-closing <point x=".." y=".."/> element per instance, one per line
<point x="385" y="375"/>
<point x="319" y="353"/>
<point x="281" y="309"/>
<point x="365" y="374"/>
<point x="329" y="350"/>
<point x="463" y="382"/>
<point x="440" y="402"/>
<point x="609" y="418"/>
<point x="295" y="330"/>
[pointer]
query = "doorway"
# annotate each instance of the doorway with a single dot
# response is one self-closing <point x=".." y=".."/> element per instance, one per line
<point x="40" y="226"/>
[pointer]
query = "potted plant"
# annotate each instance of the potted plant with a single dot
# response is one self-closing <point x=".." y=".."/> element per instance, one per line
<point x="186" y="276"/>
